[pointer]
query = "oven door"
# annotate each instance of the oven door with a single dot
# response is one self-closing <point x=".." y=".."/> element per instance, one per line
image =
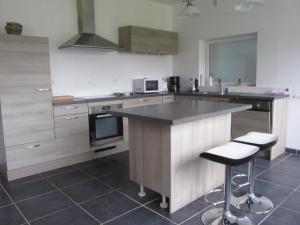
<point x="105" y="128"/>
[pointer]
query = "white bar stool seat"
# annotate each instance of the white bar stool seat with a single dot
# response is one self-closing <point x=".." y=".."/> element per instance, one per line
<point x="250" y="202"/>
<point x="230" y="154"/>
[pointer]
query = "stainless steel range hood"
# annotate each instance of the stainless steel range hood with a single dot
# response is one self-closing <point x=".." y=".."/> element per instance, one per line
<point x="86" y="28"/>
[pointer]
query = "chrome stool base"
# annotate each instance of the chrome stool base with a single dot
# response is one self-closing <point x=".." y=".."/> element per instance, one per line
<point x="216" y="216"/>
<point x="254" y="204"/>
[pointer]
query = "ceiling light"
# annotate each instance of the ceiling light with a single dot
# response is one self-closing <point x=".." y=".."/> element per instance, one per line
<point x="248" y="5"/>
<point x="190" y="10"/>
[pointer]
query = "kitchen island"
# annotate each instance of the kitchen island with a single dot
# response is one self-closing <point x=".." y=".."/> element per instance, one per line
<point x="165" y="142"/>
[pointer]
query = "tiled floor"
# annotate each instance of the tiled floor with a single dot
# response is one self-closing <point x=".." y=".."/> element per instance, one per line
<point x="99" y="192"/>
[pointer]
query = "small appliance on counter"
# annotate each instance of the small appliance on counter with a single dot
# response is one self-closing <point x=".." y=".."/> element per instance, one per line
<point x="146" y="85"/>
<point x="194" y="84"/>
<point x="174" y="84"/>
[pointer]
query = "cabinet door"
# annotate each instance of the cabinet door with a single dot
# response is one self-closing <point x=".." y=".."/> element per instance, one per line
<point x="72" y="134"/>
<point x="27" y="118"/>
<point x="168" y="98"/>
<point x="25" y="89"/>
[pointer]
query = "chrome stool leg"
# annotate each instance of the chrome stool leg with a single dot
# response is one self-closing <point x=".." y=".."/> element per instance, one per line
<point x="217" y="216"/>
<point x="142" y="192"/>
<point x="250" y="202"/>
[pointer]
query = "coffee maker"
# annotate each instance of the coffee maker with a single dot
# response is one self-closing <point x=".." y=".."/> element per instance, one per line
<point x="174" y="84"/>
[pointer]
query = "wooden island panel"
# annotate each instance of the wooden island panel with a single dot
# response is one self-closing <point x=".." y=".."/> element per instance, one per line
<point x="165" y="158"/>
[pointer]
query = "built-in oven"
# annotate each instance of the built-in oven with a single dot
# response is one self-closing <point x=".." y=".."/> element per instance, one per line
<point x="104" y="127"/>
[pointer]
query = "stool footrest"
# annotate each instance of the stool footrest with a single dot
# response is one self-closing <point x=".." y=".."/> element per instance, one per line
<point x="233" y="180"/>
<point x="214" y="204"/>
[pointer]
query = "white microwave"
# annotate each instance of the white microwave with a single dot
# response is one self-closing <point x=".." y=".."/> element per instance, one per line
<point x="146" y="85"/>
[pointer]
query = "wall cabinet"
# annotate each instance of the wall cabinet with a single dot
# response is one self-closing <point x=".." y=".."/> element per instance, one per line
<point x="148" y="41"/>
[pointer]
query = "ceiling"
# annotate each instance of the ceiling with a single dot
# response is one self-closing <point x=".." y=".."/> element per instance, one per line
<point x="168" y="2"/>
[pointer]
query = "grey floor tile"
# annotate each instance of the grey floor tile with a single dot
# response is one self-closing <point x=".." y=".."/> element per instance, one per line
<point x="20" y="181"/>
<point x="58" y="171"/>
<point x="70" y="216"/>
<point x="4" y="199"/>
<point x="86" y="190"/>
<point x="268" y="163"/>
<point x="90" y="163"/>
<point x="280" y="177"/>
<point x="23" y="191"/>
<point x="290" y="166"/>
<point x="109" y="206"/>
<point x="293" y="202"/>
<point x="274" y="192"/>
<point x="117" y="179"/>
<point x="101" y="169"/>
<point x="132" y="190"/>
<point x="9" y="215"/>
<point x="68" y="178"/>
<point x="180" y="215"/>
<point x="282" y="216"/>
<point x="40" y="206"/>
<point x="140" y="216"/>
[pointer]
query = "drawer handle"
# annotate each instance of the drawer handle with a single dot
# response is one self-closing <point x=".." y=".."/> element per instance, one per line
<point x="72" y="118"/>
<point x="44" y="89"/>
<point x="32" y="146"/>
<point x="143" y="100"/>
<point x="71" y="107"/>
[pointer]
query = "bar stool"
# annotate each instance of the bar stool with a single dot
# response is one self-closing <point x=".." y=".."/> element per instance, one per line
<point x="250" y="202"/>
<point x="230" y="154"/>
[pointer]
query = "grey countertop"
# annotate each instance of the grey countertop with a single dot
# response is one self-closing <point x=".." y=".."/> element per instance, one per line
<point x="181" y="112"/>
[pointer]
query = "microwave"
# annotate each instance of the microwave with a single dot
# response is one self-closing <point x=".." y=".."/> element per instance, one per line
<point x="146" y="85"/>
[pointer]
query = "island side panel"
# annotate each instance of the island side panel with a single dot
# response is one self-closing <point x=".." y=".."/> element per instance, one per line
<point x="150" y="154"/>
<point x="279" y="126"/>
<point x="191" y="176"/>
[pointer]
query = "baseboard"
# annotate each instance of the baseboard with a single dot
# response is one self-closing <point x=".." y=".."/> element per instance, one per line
<point x="293" y="151"/>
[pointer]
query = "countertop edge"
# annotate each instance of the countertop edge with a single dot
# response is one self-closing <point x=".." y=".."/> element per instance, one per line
<point x="231" y="95"/>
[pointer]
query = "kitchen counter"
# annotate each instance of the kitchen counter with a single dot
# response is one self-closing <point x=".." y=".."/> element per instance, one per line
<point x="181" y="112"/>
<point x="268" y="97"/>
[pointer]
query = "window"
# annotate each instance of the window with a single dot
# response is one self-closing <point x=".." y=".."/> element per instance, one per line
<point x="233" y="59"/>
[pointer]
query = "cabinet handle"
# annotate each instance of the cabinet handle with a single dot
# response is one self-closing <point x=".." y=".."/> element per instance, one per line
<point x="32" y="146"/>
<point x="71" y="107"/>
<point x="143" y="100"/>
<point x="104" y="116"/>
<point x="44" y="89"/>
<point x="72" y="118"/>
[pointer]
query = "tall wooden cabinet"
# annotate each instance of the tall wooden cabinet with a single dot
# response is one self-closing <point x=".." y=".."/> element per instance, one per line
<point x="26" y="100"/>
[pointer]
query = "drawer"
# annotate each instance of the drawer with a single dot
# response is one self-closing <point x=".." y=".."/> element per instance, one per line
<point x="30" y="154"/>
<point x="63" y="110"/>
<point x="168" y="98"/>
<point x="142" y="102"/>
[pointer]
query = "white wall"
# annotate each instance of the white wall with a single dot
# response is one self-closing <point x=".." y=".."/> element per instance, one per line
<point x="87" y="72"/>
<point x="278" y="26"/>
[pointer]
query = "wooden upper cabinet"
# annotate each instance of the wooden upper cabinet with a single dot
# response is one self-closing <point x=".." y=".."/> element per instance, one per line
<point x="148" y="41"/>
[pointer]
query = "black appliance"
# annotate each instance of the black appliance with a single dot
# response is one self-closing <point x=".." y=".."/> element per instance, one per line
<point x="174" y="84"/>
<point x="104" y="127"/>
